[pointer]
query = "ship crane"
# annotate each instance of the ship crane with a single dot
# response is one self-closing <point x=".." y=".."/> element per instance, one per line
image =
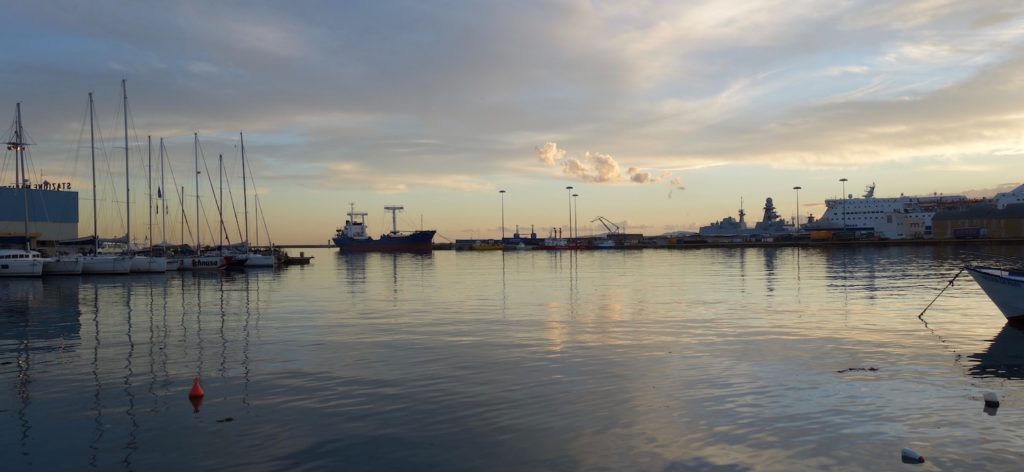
<point x="607" y="224"/>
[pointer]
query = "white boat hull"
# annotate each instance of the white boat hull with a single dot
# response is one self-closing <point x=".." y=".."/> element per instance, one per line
<point x="21" y="268"/>
<point x="63" y="265"/>
<point x="106" y="264"/>
<point x="149" y="264"/>
<point x="1005" y="288"/>
<point x="173" y="264"/>
<point x="259" y="260"/>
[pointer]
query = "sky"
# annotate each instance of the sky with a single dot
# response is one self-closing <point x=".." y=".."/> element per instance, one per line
<point x="662" y="115"/>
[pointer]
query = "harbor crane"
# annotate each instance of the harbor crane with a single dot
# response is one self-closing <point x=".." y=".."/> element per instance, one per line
<point x="607" y="224"/>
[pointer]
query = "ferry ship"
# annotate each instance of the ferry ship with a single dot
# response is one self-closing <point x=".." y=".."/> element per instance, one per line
<point x="900" y="217"/>
<point x="353" y="238"/>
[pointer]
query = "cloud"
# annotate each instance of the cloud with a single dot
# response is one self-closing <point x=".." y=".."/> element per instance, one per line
<point x="549" y="153"/>
<point x="595" y="167"/>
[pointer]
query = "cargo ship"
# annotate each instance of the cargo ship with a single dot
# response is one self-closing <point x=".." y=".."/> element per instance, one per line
<point x="353" y="238"/>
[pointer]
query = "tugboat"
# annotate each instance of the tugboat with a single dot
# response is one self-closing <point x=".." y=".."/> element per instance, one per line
<point x="353" y="238"/>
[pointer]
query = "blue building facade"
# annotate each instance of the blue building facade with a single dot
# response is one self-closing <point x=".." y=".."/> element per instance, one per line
<point x="52" y="214"/>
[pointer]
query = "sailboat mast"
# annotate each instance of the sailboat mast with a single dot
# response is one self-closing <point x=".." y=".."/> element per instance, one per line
<point x="19" y="180"/>
<point x="149" y="189"/>
<point x="195" y="152"/>
<point x="220" y="197"/>
<point x="127" y="192"/>
<point x="161" y="189"/>
<point x="245" y="194"/>
<point x="19" y="154"/>
<point x="182" y="200"/>
<point x="92" y="148"/>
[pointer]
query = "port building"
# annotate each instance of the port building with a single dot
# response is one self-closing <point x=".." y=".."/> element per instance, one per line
<point x="52" y="214"/>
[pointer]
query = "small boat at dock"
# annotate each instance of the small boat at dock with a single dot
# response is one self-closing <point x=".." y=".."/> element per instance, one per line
<point x="1004" y="287"/>
<point x="301" y="259"/>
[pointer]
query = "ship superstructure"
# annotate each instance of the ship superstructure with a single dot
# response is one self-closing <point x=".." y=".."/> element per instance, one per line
<point x="902" y="217"/>
<point x="770" y="224"/>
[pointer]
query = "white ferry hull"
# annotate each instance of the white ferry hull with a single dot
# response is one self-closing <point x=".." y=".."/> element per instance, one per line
<point x="1005" y="288"/>
<point x="106" y="264"/>
<point x="149" y="264"/>
<point x="63" y="265"/>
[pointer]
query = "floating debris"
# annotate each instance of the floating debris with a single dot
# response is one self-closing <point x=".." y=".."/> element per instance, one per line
<point x="991" y="400"/>
<point x="911" y="456"/>
<point x="858" y="369"/>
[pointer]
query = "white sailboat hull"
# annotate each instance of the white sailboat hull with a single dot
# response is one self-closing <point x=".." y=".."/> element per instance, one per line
<point x="106" y="264"/>
<point x="1005" y="288"/>
<point x="149" y="264"/>
<point x="202" y="263"/>
<point x="259" y="260"/>
<point x="21" y="268"/>
<point x="63" y="265"/>
<point x="173" y="264"/>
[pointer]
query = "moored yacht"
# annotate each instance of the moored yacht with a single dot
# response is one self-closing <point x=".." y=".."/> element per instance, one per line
<point x="62" y="264"/>
<point x="106" y="264"/>
<point x="20" y="263"/>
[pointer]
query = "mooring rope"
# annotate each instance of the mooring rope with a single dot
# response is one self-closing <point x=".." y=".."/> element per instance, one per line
<point x="949" y="284"/>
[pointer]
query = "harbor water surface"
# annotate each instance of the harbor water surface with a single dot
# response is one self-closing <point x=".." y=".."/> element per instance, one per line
<point x="715" y="359"/>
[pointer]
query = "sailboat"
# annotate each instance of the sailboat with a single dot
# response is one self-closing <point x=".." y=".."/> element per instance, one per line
<point x="20" y="262"/>
<point x="140" y="262"/>
<point x="97" y="263"/>
<point x="252" y="259"/>
<point x="199" y="260"/>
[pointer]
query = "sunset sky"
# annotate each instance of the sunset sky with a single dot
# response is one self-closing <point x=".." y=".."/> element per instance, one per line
<point x="661" y="114"/>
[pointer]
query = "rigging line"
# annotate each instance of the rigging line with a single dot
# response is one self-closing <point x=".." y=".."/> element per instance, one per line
<point x="948" y="284"/>
<point x="181" y="200"/>
<point x="179" y="193"/>
<point x="216" y="201"/>
<point x="234" y="211"/>
<point x="106" y="160"/>
<point x="259" y="208"/>
<point x="209" y="227"/>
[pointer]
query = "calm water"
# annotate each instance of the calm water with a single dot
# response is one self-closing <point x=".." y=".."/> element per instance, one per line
<point x="642" y="360"/>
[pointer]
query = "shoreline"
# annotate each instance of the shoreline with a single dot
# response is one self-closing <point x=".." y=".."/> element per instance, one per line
<point x="659" y="243"/>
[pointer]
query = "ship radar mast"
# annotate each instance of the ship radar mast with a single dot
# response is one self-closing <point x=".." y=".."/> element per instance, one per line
<point x="742" y="214"/>
<point x="869" y="191"/>
<point x="394" y="218"/>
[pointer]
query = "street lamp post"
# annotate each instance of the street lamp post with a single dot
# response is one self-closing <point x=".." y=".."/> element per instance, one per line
<point x="843" y="180"/>
<point x="569" y="188"/>
<point x="502" y="192"/>
<point x="797" y="188"/>
<point x="576" y="215"/>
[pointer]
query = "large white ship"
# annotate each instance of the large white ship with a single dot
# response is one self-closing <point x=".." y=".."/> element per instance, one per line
<point x="900" y="217"/>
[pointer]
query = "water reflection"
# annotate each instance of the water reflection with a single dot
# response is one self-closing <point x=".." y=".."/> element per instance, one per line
<point x="626" y="360"/>
<point x="1004" y="357"/>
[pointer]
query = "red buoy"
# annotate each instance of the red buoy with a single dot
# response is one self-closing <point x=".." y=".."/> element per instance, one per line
<point x="197" y="390"/>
